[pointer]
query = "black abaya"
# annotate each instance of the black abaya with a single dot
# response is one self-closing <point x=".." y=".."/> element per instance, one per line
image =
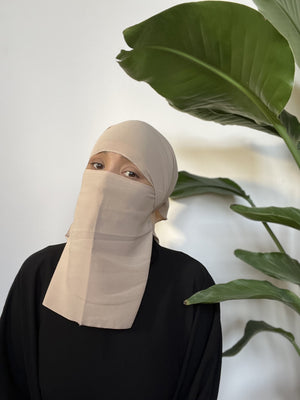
<point x="172" y="351"/>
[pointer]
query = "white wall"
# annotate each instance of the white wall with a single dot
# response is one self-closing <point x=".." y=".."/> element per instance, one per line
<point x="60" y="88"/>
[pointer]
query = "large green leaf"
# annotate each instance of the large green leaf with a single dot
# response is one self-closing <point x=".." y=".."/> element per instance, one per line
<point x="190" y="185"/>
<point x="245" y="289"/>
<point x="285" y="16"/>
<point x="254" y="327"/>
<point x="289" y="216"/>
<point x="219" y="61"/>
<point x="278" y="265"/>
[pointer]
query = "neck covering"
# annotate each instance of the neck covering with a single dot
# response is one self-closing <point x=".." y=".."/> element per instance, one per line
<point x="102" y="273"/>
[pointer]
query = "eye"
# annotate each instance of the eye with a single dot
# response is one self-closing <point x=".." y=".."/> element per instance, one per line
<point x="97" y="165"/>
<point x="131" y="174"/>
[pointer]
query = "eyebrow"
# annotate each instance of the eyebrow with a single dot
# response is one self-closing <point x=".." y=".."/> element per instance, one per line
<point x="100" y="153"/>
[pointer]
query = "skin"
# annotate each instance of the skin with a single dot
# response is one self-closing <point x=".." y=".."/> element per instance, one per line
<point x="118" y="164"/>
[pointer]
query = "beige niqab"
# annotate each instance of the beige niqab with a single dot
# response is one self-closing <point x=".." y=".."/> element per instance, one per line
<point x="101" y="276"/>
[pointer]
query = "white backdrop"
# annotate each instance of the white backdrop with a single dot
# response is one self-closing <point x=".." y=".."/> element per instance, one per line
<point x="60" y="88"/>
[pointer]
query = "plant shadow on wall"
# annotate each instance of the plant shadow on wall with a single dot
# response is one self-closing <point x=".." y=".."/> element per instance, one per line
<point x="228" y="63"/>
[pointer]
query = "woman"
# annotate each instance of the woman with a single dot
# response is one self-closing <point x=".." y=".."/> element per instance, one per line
<point x="102" y="316"/>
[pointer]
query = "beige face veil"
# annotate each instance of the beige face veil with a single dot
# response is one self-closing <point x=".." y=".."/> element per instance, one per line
<point x="101" y="276"/>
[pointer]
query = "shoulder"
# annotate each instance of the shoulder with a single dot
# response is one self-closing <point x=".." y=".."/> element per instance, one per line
<point x="40" y="263"/>
<point x="34" y="276"/>
<point x="47" y="253"/>
<point x="185" y="267"/>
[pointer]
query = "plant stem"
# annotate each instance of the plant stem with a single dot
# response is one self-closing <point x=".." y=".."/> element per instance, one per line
<point x="269" y="230"/>
<point x="273" y="236"/>
<point x="288" y="141"/>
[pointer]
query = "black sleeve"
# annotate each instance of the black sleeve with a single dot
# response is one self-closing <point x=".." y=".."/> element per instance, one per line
<point x="202" y="365"/>
<point x="18" y="338"/>
<point x="12" y="370"/>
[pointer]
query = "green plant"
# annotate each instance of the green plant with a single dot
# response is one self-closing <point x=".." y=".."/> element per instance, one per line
<point x="224" y="62"/>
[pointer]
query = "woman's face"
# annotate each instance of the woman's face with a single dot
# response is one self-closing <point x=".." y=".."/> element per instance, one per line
<point x="116" y="163"/>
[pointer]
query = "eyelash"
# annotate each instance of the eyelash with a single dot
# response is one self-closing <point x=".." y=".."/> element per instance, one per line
<point x="135" y="175"/>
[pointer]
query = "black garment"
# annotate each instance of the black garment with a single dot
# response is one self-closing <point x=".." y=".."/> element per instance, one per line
<point x="172" y="351"/>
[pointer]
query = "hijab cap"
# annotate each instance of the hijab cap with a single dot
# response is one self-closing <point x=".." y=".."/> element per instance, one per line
<point x="102" y="273"/>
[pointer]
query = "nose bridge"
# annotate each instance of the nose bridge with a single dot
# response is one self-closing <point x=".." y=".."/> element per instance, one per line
<point x="113" y="163"/>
